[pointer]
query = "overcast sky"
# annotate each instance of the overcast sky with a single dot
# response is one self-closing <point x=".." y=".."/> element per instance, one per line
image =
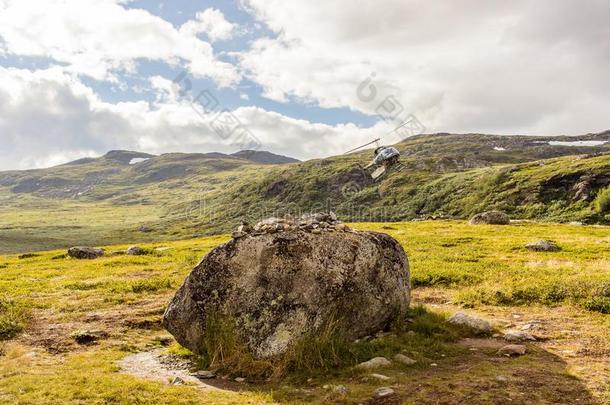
<point x="296" y="77"/>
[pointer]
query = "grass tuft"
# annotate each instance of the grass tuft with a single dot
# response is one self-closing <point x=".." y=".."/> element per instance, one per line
<point x="13" y="318"/>
<point x="151" y="285"/>
<point x="328" y="351"/>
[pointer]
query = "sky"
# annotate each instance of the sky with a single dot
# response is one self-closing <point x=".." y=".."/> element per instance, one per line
<point x="301" y="78"/>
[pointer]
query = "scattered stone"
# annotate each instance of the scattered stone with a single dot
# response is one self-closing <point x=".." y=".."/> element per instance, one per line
<point x="383" y="392"/>
<point x="479" y="326"/>
<point x="238" y="234"/>
<point x="543" y="246"/>
<point x="531" y="325"/>
<point x="204" y="374"/>
<point x="240" y="379"/>
<point x="519" y="336"/>
<point x="401" y="358"/>
<point x="501" y="378"/>
<point x="315" y="223"/>
<point x="177" y="381"/>
<point x="88" y="336"/>
<point x="280" y="288"/>
<point x="341" y="389"/>
<point x="490" y="218"/>
<point x="380" y="377"/>
<point x="83" y="252"/>
<point x="375" y="362"/>
<point x="27" y="256"/>
<point x="512" y="350"/>
<point x="136" y="251"/>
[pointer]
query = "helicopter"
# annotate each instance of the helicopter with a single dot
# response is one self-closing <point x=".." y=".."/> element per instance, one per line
<point x="387" y="158"/>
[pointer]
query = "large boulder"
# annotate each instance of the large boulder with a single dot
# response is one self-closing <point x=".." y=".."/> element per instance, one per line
<point x="280" y="285"/>
<point x="490" y="218"/>
<point x="85" y="252"/>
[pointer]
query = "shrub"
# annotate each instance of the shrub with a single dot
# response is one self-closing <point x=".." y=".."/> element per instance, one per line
<point x="602" y="201"/>
<point x="13" y="317"/>
<point x="598" y="304"/>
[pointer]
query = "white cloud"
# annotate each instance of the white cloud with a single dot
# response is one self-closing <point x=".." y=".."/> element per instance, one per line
<point x="460" y="66"/>
<point x="212" y="22"/>
<point x="99" y="38"/>
<point x="49" y="117"/>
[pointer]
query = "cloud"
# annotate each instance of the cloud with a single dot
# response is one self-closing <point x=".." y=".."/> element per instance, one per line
<point x="460" y="66"/>
<point x="101" y="38"/>
<point x="212" y="22"/>
<point x="49" y="117"/>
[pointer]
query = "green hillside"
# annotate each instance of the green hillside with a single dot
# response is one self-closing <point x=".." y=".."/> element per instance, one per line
<point x="130" y="196"/>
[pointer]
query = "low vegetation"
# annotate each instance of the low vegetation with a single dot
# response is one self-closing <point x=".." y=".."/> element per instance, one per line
<point x="13" y="318"/>
<point x="326" y="354"/>
<point x="485" y="268"/>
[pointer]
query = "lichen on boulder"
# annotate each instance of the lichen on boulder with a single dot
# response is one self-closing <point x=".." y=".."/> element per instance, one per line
<point x="278" y="287"/>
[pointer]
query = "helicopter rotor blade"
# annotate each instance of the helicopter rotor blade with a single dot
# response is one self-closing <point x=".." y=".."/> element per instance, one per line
<point x="360" y="147"/>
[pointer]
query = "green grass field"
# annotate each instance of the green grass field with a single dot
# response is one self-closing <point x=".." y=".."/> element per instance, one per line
<point x="45" y="298"/>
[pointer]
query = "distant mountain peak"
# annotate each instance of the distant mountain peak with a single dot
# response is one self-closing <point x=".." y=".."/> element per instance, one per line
<point x="125" y="156"/>
<point x="264" y="157"/>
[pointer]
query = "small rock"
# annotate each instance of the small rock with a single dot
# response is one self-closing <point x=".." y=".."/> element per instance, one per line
<point x="238" y="234"/>
<point x="177" y="381"/>
<point x="512" y="350"/>
<point x="501" y="378"/>
<point x="84" y="252"/>
<point x="341" y="389"/>
<point x="204" y="374"/>
<point x="341" y="227"/>
<point x="478" y="325"/>
<point x="383" y="392"/>
<point x="88" y="336"/>
<point x="136" y="251"/>
<point x="240" y="380"/>
<point x="543" y="246"/>
<point x="433" y="365"/>
<point x="374" y="363"/>
<point x="401" y="358"/>
<point x="380" y="377"/>
<point x="519" y="336"/>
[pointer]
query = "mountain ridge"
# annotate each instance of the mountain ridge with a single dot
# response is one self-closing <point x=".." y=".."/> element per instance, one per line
<point x="177" y="195"/>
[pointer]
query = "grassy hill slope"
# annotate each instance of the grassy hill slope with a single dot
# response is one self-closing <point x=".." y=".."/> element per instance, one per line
<point x="108" y="200"/>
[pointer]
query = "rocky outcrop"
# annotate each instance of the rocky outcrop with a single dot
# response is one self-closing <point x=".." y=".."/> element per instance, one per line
<point x="84" y="252"/>
<point x="490" y="218"/>
<point x="279" y="281"/>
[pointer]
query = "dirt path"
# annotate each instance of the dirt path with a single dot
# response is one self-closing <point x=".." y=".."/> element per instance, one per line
<point x="157" y="366"/>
